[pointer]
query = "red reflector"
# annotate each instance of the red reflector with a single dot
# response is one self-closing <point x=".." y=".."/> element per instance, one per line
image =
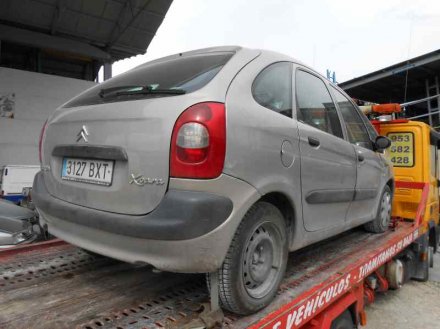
<point x="192" y="155"/>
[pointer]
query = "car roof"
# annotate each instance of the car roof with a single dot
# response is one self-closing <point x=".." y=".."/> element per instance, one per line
<point x="234" y="48"/>
<point x="193" y="52"/>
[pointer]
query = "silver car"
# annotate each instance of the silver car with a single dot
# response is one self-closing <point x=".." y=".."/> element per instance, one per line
<point x="221" y="159"/>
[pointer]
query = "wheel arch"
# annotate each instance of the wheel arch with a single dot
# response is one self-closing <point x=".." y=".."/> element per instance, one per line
<point x="390" y="184"/>
<point x="287" y="208"/>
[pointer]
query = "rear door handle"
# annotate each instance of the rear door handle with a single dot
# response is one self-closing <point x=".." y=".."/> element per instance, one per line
<point x="314" y="141"/>
<point x="361" y="157"/>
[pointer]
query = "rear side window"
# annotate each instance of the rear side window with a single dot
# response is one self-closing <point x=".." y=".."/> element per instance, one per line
<point x="371" y="131"/>
<point x="315" y="106"/>
<point x="356" y="129"/>
<point x="272" y="88"/>
<point x="184" y="74"/>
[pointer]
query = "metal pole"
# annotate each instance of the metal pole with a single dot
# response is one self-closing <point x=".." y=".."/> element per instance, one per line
<point x="437" y="91"/>
<point x="107" y="71"/>
<point x="428" y="102"/>
<point x="424" y="115"/>
<point x="419" y="101"/>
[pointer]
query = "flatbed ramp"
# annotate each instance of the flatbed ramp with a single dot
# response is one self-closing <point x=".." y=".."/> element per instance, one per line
<point x="56" y="285"/>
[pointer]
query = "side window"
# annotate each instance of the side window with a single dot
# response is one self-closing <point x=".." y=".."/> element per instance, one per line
<point x="356" y="129"/>
<point x="272" y="88"/>
<point x="371" y="131"/>
<point x="315" y="106"/>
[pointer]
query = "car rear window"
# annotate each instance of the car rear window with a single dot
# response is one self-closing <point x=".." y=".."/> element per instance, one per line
<point x="186" y="74"/>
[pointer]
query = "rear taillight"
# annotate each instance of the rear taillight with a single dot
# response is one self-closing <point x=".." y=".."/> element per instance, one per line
<point x="198" y="143"/>
<point x="40" y="142"/>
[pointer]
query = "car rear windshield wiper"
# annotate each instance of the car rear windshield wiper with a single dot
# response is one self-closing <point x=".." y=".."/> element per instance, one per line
<point x="138" y="90"/>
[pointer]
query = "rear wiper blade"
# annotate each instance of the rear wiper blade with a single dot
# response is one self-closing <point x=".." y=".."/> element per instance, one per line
<point x="135" y="90"/>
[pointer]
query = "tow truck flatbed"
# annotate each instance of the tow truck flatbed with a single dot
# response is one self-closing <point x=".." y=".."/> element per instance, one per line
<point x="56" y="285"/>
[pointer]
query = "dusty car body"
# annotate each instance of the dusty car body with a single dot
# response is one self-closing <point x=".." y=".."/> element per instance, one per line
<point x="212" y="159"/>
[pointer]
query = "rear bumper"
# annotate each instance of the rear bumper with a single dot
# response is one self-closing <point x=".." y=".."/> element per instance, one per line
<point x="181" y="215"/>
<point x="190" y="231"/>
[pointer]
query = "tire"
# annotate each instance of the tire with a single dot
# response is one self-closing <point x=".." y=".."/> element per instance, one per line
<point x="344" y="321"/>
<point x="422" y="268"/>
<point x="437" y="235"/>
<point x="256" y="261"/>
<point x="431" y="256"/>
<point x="383" y="216"/>
<point x="437" y="238"/>
<point x="425" y="271"/>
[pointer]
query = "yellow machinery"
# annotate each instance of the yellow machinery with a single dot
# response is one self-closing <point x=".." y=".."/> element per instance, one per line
<point x="415" y="158"/>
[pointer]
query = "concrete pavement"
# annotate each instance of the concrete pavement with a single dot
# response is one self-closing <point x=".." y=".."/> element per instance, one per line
<point x="415" y="306"/>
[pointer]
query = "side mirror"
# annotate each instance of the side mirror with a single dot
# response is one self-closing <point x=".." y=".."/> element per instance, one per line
<point x="381" y="143"/>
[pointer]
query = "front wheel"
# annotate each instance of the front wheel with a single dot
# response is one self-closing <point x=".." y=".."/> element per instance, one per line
<point x="256" y="261"/>
<point x="383" y="216"/>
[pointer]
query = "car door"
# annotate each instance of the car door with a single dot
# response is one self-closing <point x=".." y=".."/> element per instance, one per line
<point x="369" y="166"/>
<point x="328" y="162"/>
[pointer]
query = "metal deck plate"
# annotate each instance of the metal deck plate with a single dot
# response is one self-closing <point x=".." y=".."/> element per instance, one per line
<point x="61" y="286"/>
<point x="64" y="287"/>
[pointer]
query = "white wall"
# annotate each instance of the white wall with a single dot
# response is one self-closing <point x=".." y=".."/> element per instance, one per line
<point x="36" y="97"/>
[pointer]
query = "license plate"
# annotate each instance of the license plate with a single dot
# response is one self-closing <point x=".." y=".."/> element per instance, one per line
<point x="88" y="171"/>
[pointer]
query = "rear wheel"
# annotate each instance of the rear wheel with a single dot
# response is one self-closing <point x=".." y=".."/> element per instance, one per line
<point x="383" y="217"/>
<point x="256" y="261"/>
<point x="425" y="270"/>
<point x="437" y="238"/>
<point x="434" y="238"/>
<point x="431" y="256"/>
